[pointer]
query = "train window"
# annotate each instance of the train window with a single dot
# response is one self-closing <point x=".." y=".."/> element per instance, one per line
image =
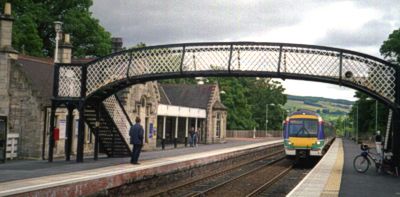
<point x="303" y="128"/>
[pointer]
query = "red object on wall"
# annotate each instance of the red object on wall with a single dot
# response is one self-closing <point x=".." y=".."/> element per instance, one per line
<point x="56" y="134"/>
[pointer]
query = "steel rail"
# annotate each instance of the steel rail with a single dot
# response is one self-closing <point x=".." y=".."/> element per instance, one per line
<point x="217" y="174"/>
<point x="202" y="193"/>
<point x="270" y="182"/>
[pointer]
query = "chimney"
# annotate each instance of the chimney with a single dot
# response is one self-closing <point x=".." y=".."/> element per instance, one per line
<point x="6" y="22"/>
<point x="116" y="44"/>
<point x="65" y="50"/>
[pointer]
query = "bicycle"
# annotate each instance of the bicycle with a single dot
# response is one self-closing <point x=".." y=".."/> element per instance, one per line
<point x="362" y="162"/>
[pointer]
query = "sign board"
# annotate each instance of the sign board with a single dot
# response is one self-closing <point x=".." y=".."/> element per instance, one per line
<point x="3" y="138"/>
<point x="62" y="127"/>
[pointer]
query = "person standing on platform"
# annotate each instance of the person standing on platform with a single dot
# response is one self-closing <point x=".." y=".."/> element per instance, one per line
<point x="136" y="134"/>
<point x="191" y="133"/>
<point x="195" y="137"/>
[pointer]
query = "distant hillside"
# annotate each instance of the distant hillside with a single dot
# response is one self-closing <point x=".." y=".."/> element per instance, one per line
<point x="312" y="98"/>
<point x="326" y="107"/>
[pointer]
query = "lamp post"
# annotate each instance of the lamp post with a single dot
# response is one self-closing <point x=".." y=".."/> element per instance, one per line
<point x="357" y="125"/>
<point x="57" y="28"/>
<point x="376" y="115"/>
<point x="266" y="117"/>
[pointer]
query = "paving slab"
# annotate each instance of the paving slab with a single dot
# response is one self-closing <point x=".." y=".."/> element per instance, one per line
<point x="22" y="169"/>
<point x="91" y="181"/>
<point x="325" y="178"/>
<point x="370" y="183"/>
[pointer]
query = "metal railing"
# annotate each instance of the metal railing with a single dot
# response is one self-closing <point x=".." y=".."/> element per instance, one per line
<point x="252" y="133"/>
<point x="370" y="74"/>
<point x="117" y="114"/>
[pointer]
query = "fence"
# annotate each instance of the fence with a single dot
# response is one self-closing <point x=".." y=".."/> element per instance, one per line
<point x="251" y="134"/>
<point x="12" y="145"/>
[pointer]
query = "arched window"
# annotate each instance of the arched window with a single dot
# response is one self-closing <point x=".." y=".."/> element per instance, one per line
<point x="143" y="102"/>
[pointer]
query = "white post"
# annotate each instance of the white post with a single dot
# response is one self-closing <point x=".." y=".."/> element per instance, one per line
<point x="164" y="123"/>
<point x="195" y="126"/>
<point x="186" y="128"/>
<point x="176" y="127"/>
<point x="254" y="133"/>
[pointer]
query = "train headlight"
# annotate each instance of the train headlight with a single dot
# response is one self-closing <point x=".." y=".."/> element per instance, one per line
<point x="290" y="143"/>
<point x="318" y="142"/>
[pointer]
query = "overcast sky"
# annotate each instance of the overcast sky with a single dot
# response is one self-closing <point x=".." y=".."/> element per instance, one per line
<point x="356" y="25"/>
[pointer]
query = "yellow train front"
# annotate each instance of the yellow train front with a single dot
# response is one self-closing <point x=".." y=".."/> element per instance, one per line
<point x="306" y="134"/>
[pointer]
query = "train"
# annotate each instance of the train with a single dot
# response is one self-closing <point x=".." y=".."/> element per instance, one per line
<point x="306" y="135"/>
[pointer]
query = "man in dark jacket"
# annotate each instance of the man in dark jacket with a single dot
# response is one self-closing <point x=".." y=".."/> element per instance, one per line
<point x="136" y="134"/>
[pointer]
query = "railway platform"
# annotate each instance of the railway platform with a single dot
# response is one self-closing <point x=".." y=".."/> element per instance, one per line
<point x="370" y="183"/>
<point x="61" y="178"/>
<point x="334" y="175"/>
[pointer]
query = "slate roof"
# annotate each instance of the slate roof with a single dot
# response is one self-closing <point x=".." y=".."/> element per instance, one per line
<point x="40" y="72"/>
<point x="186" y="95"/>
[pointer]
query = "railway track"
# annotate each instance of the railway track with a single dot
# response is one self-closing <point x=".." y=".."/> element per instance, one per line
<point x="246" y="180"/>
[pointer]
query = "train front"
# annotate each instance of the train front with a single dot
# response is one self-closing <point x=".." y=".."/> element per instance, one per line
<point x="303" y="135"/>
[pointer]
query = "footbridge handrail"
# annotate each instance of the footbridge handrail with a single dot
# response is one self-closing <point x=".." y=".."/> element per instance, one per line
<point x="283" y="60"/>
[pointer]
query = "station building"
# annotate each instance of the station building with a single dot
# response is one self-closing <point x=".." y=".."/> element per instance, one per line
<point x="167" y="112"/>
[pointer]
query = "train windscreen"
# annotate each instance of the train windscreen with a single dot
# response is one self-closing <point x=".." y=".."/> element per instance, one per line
<point x="303" y="128"/>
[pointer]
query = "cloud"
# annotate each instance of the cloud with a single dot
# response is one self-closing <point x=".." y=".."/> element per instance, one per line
<point x="372" y="33"/>
<point x="357" y="25"/>
<point x="188" y="21"/>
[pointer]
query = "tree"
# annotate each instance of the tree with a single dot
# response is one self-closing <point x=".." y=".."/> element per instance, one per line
<point x="33" y="31"/>
<point x="236" y="100"/>
<point x="246" y="100"/>
<point x="366" y="115"/>
<point x="390" y="48"/>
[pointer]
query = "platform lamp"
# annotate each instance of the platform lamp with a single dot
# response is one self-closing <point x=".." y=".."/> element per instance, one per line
<point x="58" y="30"/>
<point x="356" y="105"/>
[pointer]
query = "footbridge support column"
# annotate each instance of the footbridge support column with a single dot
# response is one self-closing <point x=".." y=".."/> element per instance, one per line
<point x="396" y="121"/>
<point x="396" y="136"/>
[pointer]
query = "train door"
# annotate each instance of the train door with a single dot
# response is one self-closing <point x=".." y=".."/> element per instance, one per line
<point x="3" y="138"/>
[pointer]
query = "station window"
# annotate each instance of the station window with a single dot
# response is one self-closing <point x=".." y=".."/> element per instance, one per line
<point x="148" y="107"/>
<point x="218" y="126"/>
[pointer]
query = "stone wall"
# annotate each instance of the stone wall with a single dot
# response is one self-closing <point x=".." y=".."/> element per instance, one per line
<point x="4" y="84"/>
<point x="142" y="100"/>
<point x="26" y="115"/>
<point x="211" y="119"/>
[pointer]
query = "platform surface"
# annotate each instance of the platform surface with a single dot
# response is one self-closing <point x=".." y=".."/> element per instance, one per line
<point x="26" y="176"/>
<point x="325" y="178"/>
<point x="370" y="183"/>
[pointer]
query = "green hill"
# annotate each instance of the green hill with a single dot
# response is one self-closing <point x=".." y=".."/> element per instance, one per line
<point x="328" y="108"/>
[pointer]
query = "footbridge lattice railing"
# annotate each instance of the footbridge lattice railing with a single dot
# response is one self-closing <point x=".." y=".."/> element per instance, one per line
<point x="276" y="59"/>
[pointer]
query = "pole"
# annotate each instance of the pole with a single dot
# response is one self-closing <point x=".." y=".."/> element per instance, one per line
<point x="266" y="120"/>
<point x="376" y="115"/>
<point x="357" y="127"/>
<point x="56" y="49"/>
<point x="344" y="130"/>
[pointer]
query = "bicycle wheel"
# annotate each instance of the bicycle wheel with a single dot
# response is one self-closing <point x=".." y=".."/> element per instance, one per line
<point x="361" y="164"/>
